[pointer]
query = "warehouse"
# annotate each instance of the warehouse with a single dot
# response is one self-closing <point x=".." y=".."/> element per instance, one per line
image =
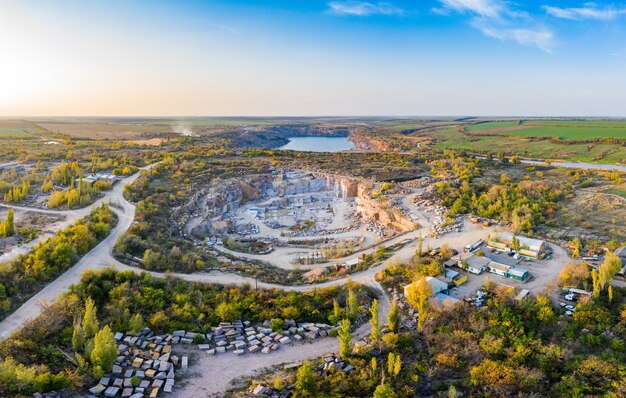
<point x="517" y="274"/>
<point x="527" y="246"/>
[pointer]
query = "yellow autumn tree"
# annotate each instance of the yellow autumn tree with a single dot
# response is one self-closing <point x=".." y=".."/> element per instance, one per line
<point x="417" y="296"/>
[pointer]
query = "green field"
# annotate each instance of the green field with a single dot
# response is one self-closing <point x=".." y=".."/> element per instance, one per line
<point x="570" y="133"/>
<point x="13" y="133"/>
<point x="450" y="138"/>
<point x="491" y="125"/>
<point x="588" y="123"/>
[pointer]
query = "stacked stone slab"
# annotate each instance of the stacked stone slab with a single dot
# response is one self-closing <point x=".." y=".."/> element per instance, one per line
<point x="148" y="356"/>
<point x="243" y="337"/>
<point x="145" y="366"/>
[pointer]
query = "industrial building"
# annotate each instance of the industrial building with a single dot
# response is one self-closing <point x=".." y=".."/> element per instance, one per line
<point x="527" y="246"/>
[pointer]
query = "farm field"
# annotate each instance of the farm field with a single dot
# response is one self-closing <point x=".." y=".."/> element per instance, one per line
<point x="15" y="129"/>
<point x="587" y="123"/>
<point x="562" y="129"/>
<point x="570" y="133"/>
<point x="450" y="138"/>
<point x="491" y="125"/>
<point x="113" y="131"/>
<point x="13" y="133"/>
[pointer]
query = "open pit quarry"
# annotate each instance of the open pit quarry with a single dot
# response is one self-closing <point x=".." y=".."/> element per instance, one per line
<point x="290" y="218"/>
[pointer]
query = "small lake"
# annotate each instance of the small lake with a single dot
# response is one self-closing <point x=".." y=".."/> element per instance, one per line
<point x="318" y="144"/>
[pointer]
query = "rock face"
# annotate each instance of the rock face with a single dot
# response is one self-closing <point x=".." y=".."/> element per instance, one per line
<point x="374" y="210"/>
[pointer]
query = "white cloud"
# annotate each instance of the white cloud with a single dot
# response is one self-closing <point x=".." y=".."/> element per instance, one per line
<point x="590" y="11"/>
<point x="499" y="20"/>
<point x="484" y="8"/>
<point x="362" y="8"/>
<point x="543" y="39"/>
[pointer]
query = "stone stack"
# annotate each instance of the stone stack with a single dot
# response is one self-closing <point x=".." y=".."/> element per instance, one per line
<point x="145" y="366"/>
<point x="242" y="337"/>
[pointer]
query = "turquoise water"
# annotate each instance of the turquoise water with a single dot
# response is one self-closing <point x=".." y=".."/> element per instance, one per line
<point x="318" y="144"/>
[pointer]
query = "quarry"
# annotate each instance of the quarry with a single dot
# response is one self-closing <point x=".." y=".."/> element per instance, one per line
<point x="292" y="219"/>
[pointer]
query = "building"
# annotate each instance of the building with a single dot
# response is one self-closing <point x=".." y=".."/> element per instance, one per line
<point x="442" y="300"/>
<point x="517" y="274"/>
<point x="475" y="264"/>
<point x="439" y="292"/>
<point x="498" y="269"/>
<point x="436" y="286"/>
<point x="522" y="295"/>
<point x="528" y="246"/>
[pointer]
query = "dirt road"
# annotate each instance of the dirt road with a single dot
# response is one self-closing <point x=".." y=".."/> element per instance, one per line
<point x="98" y="257"/>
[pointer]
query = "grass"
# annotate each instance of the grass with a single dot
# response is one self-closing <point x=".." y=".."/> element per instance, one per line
<point x="570" y="133"/>
<point x="588" y="123"/>
<point x="450" y="138"/>
<point x="562" y="129"/>
<point x="491" y="125"/>
<point x="14" y="133"/>
<point x="617" y="191"/>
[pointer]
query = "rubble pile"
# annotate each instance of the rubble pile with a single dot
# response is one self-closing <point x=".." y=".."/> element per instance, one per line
<point x="380" y="230"/>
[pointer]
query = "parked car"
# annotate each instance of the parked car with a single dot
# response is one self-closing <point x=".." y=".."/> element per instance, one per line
<point x="570" y="307"/>
<point x="570" y="297"/>
<point x="511" y="254"/>
<point x="568" y="313"/>
<point x="563" y="305"/>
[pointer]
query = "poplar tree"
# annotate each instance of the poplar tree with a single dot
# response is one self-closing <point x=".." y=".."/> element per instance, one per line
<point x="393" y="319"/>
<point x="104" y="351"/>
<point x="375" y="332"/>
<point x="345" y="339"/>
<point x="90" y="321"/>
<point x="417" y="295"/>
<point x="306" y="386"/>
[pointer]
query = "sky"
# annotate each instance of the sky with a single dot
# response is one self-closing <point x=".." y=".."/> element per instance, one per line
<point x="312" y="58"/>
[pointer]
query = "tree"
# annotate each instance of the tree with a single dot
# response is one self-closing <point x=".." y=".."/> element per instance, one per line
<point x="445" y="251"/>
<point x="353" y="306"/>
<point x="90" y="321"/>
<point x="610" y="267"/>
<point x="306" y="385"/>
<point x="575" y="275"/>
<point x="384" y="391"/>
<point x="376" y="330"/>
<point x="8" y="227"/>
<point x="104" y="351"/>
<point x="345" y="339"/>
<point x="393" y="318"/>
<point x="501" y="157"/>
<point x="420" y="244"/>
<point x="417" y="295"/>
<point x="515" y="243"/>
<point x="78" y="338"/>
<point x="136" y="323"/>
<point x="335" y="316"/>
<point x="595" y="277"/>
<point x="227" y="312"/>
<point x="394" y="364"/>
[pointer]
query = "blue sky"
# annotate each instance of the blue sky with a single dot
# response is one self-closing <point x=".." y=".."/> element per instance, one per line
<point x="309" y="57"/>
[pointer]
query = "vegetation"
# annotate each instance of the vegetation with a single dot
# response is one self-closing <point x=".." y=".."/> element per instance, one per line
<point x="24" y="276"/>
